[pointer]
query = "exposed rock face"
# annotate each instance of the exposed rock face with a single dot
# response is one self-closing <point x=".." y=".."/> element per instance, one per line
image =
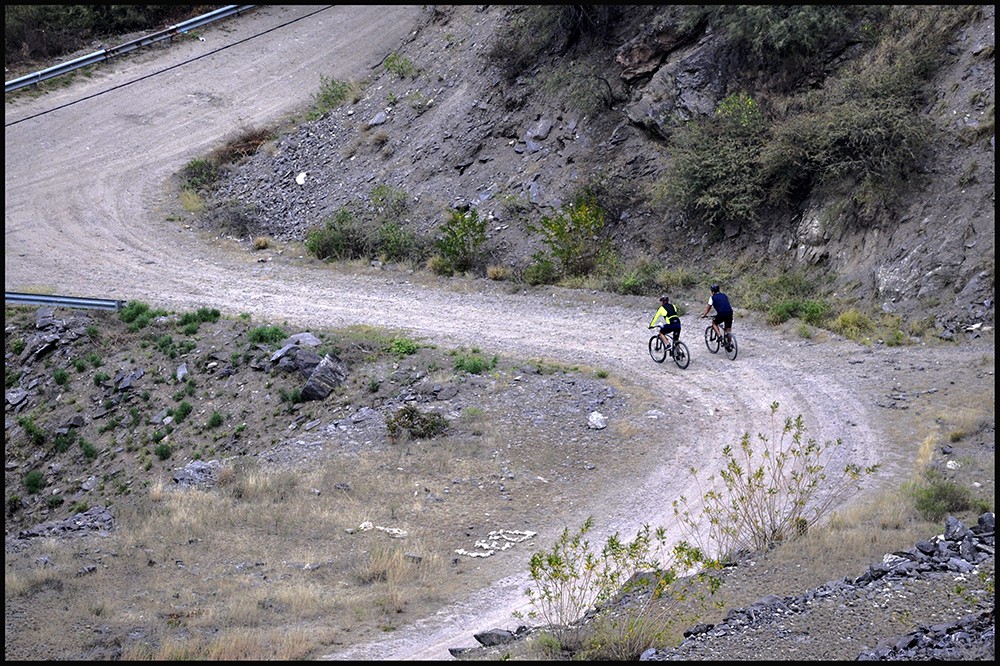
<point x="465" y="139"/>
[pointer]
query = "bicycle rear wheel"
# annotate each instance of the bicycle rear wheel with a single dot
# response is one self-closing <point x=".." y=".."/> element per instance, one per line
<point x="680" y="354"/>
<point x="657" y="350"/>
<point x="731" y="347"/>
<point x="711" y="340"/>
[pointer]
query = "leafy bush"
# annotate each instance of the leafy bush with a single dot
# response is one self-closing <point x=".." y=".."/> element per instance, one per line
<point x="89" y="450"/>
<point x="183" y="411"/>
<point x="462" y="235"/>
<point x="812" y="312"/>
<point x="162" y="451"/>
<point x="36" y="435"/>
<point x="716" y="172"/>
<point x="339" y="237"/>
<point x="403" y="347"/>
<point x="542" y="270"/>
<point x="937" y="497"/>
<point x="474" y="363"/>
<point x="394" y="243"/>
<point x="139" y="315"/>
<point x="573" y="236"/>
<point x="200" y="174"/>
<point x="771" y="489"/>
<point x="399" y="65"/>
<point x="60" y="376"/>
<point x="417" y="424"/>
<point x="33" y="481"/>
<point x="64" y="440"/>
<point x="215" y="420"/>
<point x="332" y="94"/>
<point x="852" y="324"/>
<point x="266" y="335"/>
<point x="572" y="578"/>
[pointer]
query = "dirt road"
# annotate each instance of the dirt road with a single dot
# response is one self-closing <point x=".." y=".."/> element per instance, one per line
<point x="86" y="203"/>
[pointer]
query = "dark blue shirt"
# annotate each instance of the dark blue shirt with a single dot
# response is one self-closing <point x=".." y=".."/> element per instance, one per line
<point x="721" y="304"/>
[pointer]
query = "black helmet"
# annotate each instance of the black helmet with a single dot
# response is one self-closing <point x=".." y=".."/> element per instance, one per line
<point x="664" y="298"/>
<point x="715" y="288"/>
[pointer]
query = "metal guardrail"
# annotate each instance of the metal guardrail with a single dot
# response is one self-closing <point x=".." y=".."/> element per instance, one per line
<point x="107" y="54"/>
<point x="63" y="301"/>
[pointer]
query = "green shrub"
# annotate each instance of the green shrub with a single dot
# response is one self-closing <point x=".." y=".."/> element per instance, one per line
<point x="138" y="315"/>
<point x="399" y="65"/>
<point x="33" y="481"/>
<point x="332" y="94"/>
<point x="17" y="346"/>
<point x="80" y="365"/>
<point x="403" y="347"/>
<point x="462" y="236"/>
<point x="542" y="270"/>
<point x="215" y="420"/>
<point x="771" y="488"/>
<point x="417" y="424"/>
<point x="36" y="435"/>
<point x="100" y="378"/>
<point x="94" y="360"/>
<point x="812" y="312"/>
<point x="183" y="411"/>
<point x="162" y="451"/>
<point x="474" y="363"/>
<point x="852" y="324"/>
<point x="340" y="237"/>
<point x="64" y="440"/>
<point x="89" y="450"/>
<point x="937" y="497"/>
<point x="572" y="578"/>
<point x="715" y="172"/>
<point x="60" y="376"/>
<point x="266" y="335"/>
<point x="200" y="174"/>
<point x="394" y="243"/>
<point x="573" y="236"/>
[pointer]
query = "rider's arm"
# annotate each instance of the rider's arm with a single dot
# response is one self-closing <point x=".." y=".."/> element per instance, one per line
<point x="660" y="312"/>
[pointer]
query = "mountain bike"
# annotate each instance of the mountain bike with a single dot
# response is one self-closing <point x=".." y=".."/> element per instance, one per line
<point x="727" y="342"/>
<point x="658" y="351"/>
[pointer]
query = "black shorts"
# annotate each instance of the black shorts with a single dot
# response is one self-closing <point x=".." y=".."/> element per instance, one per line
<point x="725" y="319"/>
<point x="667" y="328"/>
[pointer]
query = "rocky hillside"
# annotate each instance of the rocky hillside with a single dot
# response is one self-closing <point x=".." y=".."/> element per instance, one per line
<point x="445" y="124"/>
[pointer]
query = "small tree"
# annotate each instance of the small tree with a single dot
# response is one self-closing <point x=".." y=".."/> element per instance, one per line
<point x="764" y="496"/>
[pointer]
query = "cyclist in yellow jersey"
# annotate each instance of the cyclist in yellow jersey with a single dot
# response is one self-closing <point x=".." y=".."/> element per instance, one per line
<point x="671" y="320"/>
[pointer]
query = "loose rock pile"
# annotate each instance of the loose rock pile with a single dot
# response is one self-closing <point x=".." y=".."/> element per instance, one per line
<point x="960" y="550"/>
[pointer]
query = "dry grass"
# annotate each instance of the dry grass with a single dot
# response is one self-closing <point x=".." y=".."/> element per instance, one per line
<point x="239" y="568"/>
<point x="191" y="201"/>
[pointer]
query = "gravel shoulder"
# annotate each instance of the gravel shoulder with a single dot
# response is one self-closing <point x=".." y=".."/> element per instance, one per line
<point x="87" y="213"/>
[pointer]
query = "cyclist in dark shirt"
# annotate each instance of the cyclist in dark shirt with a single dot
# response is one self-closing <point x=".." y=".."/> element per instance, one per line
<point x="723" y="311"/>
<point x="671" y="320"/>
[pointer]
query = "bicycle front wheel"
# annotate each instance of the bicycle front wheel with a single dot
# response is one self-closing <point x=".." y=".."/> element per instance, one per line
<point x="680" y="354"/>
<point x="657" y="350"/>
<point x="731" y="348"/>
<point x="711" y="340"/>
